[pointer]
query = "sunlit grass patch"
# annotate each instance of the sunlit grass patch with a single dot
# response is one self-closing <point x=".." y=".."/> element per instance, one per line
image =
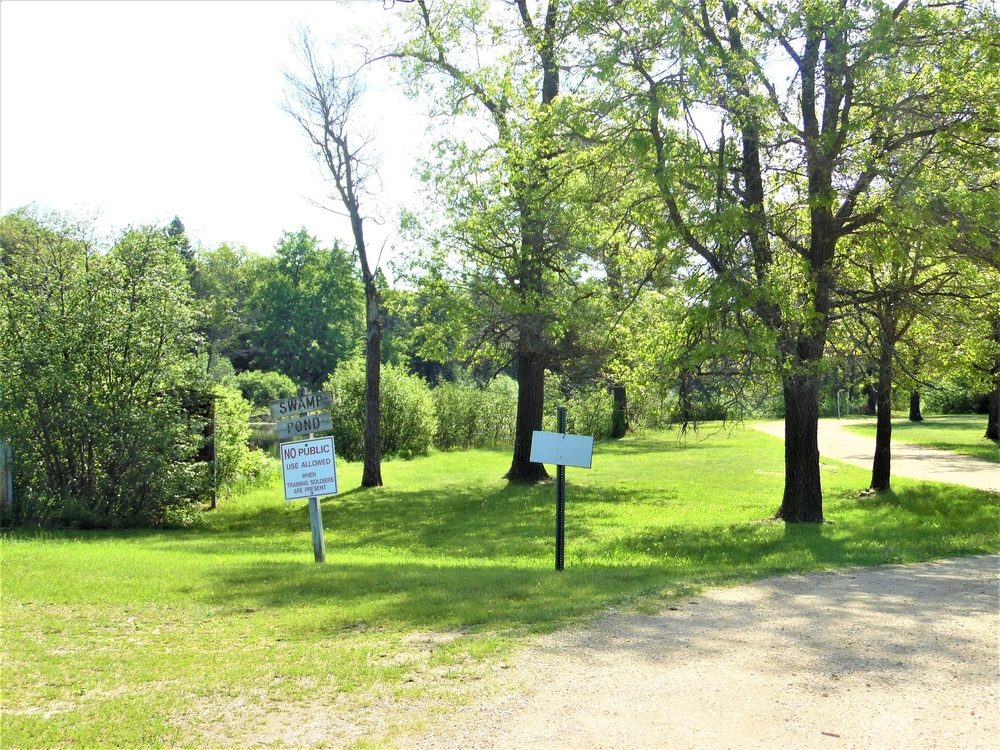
<point x="230" y="634"/>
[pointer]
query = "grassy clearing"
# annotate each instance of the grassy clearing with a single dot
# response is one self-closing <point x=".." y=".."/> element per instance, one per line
<point x="958" y="434"/>
<point x="230" y="635"/>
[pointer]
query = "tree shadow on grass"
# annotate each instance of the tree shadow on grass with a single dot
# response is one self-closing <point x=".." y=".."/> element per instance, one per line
<point x="465" y="521"/>
<point x="647" y="445"/>
<point x="485" y="571"/>
<point x="885" y="624"/>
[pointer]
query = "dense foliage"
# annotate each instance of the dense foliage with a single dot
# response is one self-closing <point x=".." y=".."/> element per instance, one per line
<point x="309" y="307"/>
<point x="474" y="416"/>
<point x="408" y="420"/>
<point x="97" y="392"/>
<point x="261" y="387"/>
<point x="626" y="211"/>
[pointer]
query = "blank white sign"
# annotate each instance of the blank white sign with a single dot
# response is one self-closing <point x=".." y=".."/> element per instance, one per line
<point x="562" y="450"/>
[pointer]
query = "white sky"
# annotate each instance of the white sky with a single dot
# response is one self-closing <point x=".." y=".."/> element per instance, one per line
<point x="145" y="109"/>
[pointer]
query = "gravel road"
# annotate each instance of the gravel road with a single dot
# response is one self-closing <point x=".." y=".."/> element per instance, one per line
<point x="889" y="657"/>
<point x="908" y="460"/>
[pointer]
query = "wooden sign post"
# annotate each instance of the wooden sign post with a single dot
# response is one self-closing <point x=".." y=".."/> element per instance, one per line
<point x="6" y="475"/>
<point x="308" y="467"/>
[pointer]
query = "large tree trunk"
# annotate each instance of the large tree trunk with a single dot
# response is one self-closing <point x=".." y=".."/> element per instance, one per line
<point x="915" y="415"/>
<point x="803" y="498"/>
<point x="993" y="421"/>
<point x="530" y="406"/>
<point x="881" y="464"/>
<point x="531" y="360"/>
<point x="619" y="411"/>
<point x="870" y="408"/>
<point x="372" y="474"/>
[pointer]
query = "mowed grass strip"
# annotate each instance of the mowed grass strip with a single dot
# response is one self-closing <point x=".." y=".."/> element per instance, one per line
<point x="958" y="434"/>
<point x="230" y="635"/>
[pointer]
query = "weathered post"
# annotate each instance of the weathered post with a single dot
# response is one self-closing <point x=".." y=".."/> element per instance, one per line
<point x="308" y="467"/>
<point x="316" y="523"/>
<point x="6" y="475"/>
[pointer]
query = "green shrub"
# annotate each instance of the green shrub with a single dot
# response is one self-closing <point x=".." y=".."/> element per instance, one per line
<point x="347" y="413"/>
<point x="588" y="409"/>
<point x="233" y="464"/>
<point x="261" y="387"/>
<point x="589" y="412"/>
<point x="408" y="420"/>
<point x="455" y="405"/>
<point x="497" y="413"/>
<point x="955" y="398"/>
<point x="470" y="416"/>
<point x="96" y="390"/>
<point x="650" y="407"/>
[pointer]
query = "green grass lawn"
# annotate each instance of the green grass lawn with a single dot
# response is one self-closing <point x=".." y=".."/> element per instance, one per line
<point x="230" y="635"/>
<point x="959" y="434"/>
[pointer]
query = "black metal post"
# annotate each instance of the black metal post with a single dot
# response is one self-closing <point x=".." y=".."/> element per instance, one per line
<point x="561" y="497"/>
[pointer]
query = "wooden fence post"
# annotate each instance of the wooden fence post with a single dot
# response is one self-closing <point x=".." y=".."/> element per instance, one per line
<point x="6" y="475"/>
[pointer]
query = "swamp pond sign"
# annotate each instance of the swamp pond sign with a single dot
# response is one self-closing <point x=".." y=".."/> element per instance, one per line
<point x="308" y="467"/>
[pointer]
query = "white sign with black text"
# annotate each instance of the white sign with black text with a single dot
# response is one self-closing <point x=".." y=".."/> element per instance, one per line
<point x="309" y="468"/>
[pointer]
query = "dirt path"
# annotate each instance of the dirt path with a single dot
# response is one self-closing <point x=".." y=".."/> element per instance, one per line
<point x="890" y="657"/>
<point x="908" y="460"/>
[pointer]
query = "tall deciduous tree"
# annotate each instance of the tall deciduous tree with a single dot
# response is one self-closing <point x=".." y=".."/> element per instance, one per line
<point x="901" y="279"/>
<point x="505" y="188"/>
<point x="223" y="279"/>
<point x="324" y="101"/>
<point x="307" y="309"/>
<point x="765" y="206"/>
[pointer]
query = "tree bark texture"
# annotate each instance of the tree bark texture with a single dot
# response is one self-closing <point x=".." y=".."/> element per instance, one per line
<point x="530" y="406"/>
<point x="802" y="501"/>
<point x="915" y="415"/>
<point x="993" y="421"/>
<point x="619" y="411"/>
<point x="372" y="473"/>
<point x="882" y="461"/>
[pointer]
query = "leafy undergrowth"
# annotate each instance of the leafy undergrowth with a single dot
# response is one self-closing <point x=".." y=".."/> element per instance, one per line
<point x="229" y="634"/>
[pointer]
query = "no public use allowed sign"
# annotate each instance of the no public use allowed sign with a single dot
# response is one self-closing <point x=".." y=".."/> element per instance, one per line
<point x="309" y="468"/>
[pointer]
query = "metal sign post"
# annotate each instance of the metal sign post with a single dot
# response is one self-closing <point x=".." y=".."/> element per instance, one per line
<point x="562" y="450"/>
<point x="561" y="497"/>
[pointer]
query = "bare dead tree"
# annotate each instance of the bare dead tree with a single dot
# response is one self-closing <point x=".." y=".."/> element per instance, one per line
<point x="325" y="102"/>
